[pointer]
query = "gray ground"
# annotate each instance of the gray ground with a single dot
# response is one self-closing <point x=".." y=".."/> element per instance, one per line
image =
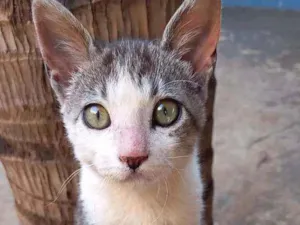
<point x="257" y="127"/>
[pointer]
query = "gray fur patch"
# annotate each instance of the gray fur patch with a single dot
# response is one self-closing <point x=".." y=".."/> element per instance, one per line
<point x="164" y="70"/>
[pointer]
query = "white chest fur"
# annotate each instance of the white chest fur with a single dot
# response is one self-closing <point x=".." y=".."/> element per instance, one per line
<point x="174" y="201"/>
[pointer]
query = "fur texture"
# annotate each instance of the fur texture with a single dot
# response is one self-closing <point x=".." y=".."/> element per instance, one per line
<point x="170" y="191"/>
<point x="128" y="78"/>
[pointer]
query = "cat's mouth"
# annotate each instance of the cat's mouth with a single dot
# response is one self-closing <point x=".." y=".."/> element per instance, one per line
<point x="136" y="176"/>
<point x="143" y="175"/>
<point x="125" y="175"/>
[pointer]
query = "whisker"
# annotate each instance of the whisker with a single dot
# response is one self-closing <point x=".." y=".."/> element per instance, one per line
<point x="181" y="156"/>
<point x="165" y="203"/>
<point x="158" y="190"/>
<point x="177" y="170"/>
<point x="64" y="185"/>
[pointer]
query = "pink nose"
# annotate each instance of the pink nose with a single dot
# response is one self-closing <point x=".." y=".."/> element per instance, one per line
<point x="133" y="162"/>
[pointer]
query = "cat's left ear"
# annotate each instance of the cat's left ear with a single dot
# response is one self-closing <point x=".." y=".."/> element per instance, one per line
<point x="194" y="32"/>
<point x="64" y="43"/>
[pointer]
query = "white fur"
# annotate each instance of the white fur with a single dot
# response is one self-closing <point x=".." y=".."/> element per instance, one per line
<point x="168" y="189"/>
<point x="173" y="201"/>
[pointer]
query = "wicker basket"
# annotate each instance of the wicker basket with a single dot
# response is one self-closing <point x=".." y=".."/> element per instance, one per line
<point x="34" y="151"/>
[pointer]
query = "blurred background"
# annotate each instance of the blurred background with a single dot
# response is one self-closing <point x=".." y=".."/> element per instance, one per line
<point x="257" y="117"/>
<point x="257" y="114"/>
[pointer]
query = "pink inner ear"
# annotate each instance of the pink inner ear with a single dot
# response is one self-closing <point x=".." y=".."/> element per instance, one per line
<point x="62" y="40"/>
<point x="194" y="32"/>
<point x="205" y="63"/>
<point x="58" y="78"/>
<point x="132" y="142"/>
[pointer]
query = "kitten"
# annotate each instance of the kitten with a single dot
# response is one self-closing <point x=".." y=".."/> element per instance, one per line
<point x="133" y="111"/>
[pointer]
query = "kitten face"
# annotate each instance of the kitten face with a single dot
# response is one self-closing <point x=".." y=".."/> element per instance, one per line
<point x="128" y="79"/>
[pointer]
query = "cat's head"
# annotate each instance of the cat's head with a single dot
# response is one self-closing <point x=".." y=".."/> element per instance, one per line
<point x="132" y="109"/>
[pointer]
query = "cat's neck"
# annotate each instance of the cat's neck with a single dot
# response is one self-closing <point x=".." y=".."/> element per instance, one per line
<point x="170" y="201"/>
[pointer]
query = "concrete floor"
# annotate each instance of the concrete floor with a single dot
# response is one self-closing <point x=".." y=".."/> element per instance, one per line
<point x="257" y="125"/>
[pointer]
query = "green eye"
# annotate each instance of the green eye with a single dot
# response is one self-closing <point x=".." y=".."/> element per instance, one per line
<point x="166" y="112"/>
<point x="95" y="116"/>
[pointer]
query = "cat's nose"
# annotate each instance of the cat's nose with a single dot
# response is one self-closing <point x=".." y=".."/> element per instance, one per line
<point x="133" y="162"/>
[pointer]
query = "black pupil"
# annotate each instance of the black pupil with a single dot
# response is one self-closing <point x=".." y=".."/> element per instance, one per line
<point x="95" y="110"/>
<point x="163" y="109"/>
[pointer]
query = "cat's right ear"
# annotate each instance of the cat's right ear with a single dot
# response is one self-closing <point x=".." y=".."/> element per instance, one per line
<point x="194" y="31"/>
<point x="64" y="43"/>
